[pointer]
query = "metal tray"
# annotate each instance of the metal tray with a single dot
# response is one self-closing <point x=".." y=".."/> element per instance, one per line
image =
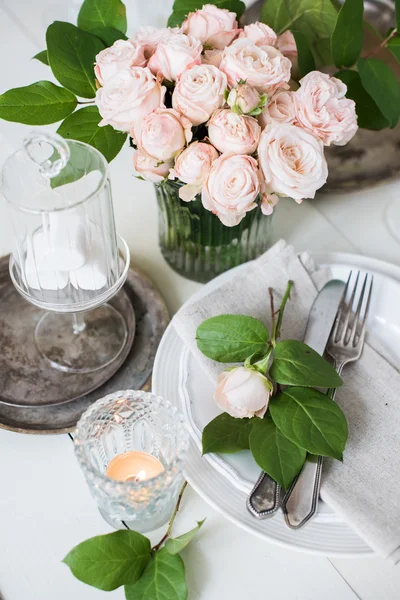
<point x="40" y="390"/>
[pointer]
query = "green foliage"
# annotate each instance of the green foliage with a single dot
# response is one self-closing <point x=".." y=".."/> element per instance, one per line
<point x="226" y="434"/>
<point x="382" y="85"/>
<point x="83" y="125"/>
<point x="231" y="338"/>
<point x="310" y="420"/>
<point x="102" y="13"/>
<point x="275" y="453"/>
<point x="40" y="103"/>
<point x="315" y="19"/>
<point x="42" y="57"/>
<point x="368" y="113"/>
<point x="182" y="8"/>
<point x="305" y="57"/>
<point x="397" y="7"/>
<point x="72" y="53"/>
<point x="109" y="561"/>
<point x="176" y="545"/>
<point x="108" y="35"/>
<point x="297" y="364"/>
<point x="163" y="579"/>
<point x="348" y="36"/>
<point x="394" y="46"/>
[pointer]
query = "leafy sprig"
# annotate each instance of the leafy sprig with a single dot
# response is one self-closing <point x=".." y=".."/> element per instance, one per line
<point x="126" y="558"/>
<point x="299" y="418"/>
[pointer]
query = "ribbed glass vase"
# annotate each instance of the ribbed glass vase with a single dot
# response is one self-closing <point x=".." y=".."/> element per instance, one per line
<point x="197" y="245"/>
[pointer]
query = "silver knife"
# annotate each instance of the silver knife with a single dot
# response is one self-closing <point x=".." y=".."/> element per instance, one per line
<point x="264" y="499"/>
<point x="300" y="503"/>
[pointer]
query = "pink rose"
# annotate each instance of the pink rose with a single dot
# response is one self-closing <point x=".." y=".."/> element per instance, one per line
<point x="128" y="97"/>
<point x="244" y="99"/>
<point x="292" y="161"/>
<point x="260" y="34"/>
<point x="192" y="166"/>
<point x="149" y="37"/>
<point x="163" y="133"/>
<point x="264" y="68"/>
<point x="268" y="203"/>
<point x="232" y="188"/>
<point x="280" y="109"/>
<point x="243" y="393"/>
<point x="233" y="133"/>
<point x="287" y="44"/>
<point x="198" y="92"/>
<point x="323" y="109"/>
<point x="150" y="168"/>
<point x="216" y="27"/>
<point x="175" y="54"/>
<point x="212" y="57"/>
<point x="121" y="55"/>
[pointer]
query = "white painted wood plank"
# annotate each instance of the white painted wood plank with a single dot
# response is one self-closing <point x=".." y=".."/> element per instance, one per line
<point x="46" y="509"/>
<point x="371" y="578"/>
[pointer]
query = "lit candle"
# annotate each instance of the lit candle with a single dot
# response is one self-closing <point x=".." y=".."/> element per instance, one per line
<point x="134" y="466"/>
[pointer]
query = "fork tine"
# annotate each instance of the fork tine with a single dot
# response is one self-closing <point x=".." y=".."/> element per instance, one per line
<point x="349" y="311"/>
<point x="368" y="303"/>
<point x="339" y="310"/>
<point x="356" y="321"/>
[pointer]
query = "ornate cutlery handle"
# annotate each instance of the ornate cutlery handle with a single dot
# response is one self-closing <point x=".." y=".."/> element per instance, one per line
<point x="264" y="499"/>
<point x="300" y="502"/>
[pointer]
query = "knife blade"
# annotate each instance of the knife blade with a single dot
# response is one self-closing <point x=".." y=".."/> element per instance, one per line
<point x="264" y="499"/>
<point x="300" y="503"/>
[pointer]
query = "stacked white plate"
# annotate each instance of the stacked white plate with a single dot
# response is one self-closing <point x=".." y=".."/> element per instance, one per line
<point x="224" y="481"/>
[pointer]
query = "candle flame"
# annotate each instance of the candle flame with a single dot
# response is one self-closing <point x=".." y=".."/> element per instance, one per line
<point x="141" y="476"/>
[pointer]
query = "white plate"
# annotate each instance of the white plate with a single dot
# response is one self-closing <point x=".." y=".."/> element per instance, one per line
<point x="225" y="480"/>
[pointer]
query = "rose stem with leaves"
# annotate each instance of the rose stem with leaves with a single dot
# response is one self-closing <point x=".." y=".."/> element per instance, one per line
<point x="262" y="364"/>
<point x="171" y="523"/>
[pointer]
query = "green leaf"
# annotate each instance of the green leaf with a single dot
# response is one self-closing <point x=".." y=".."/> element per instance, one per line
<point x="275" y="453"/>
<point x="83" y="126"/>
<point x="108" y="561"/>
<point x="226" y="434"/>
<point x="394" y="46"/>
<point x="231" y="338"/>
<point x="108" y="35"/>
<point x="305" y="56"/>
<point x="182" y="8"/>
<point x="397" y="7"/>
<point x="42" y="57"/>
<point x="163" y="579"/>
<point x="176" y="545"/>
<point x="102" y="13"/>
<point x="311" y="420"/>
<point x="348" y="36"/>
<point x="382" y="85"/>
<point x="315" y="19"/>
<point x="72" y="54"/>
<point x="40" y="103"/>
<point x="369" y="115"/>
<point x="296" y="363"/>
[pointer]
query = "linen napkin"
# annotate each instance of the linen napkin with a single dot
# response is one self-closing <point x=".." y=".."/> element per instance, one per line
<point x="365" y="488"/>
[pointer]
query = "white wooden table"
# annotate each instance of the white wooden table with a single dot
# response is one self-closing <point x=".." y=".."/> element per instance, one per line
<point x="45" y="506"/>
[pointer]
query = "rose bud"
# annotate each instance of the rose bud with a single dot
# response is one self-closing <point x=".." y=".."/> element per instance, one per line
<point x="245" y="100"/>
<point x="243" y="392"/>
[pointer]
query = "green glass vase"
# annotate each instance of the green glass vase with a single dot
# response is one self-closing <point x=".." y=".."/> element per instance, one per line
<point x="197" y="245"/>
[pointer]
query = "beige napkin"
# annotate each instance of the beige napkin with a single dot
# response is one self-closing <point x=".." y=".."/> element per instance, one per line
<point x="365" y="489"/>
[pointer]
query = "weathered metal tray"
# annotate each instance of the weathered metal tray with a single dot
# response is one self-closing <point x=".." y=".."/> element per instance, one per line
<point x="40" y="390"/>
<point x="26" y="378"/>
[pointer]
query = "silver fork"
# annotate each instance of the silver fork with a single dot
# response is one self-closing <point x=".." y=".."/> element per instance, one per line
<point x="345" y="345"/>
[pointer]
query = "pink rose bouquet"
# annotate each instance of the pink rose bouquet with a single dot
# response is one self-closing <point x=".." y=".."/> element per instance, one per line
<point x="211" y="106"/>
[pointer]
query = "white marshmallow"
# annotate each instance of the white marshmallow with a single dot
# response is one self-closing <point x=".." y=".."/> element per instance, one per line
<point x="39" y="276"/>
<point x="93" y="275"/>
<point x="62" y="241"/>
